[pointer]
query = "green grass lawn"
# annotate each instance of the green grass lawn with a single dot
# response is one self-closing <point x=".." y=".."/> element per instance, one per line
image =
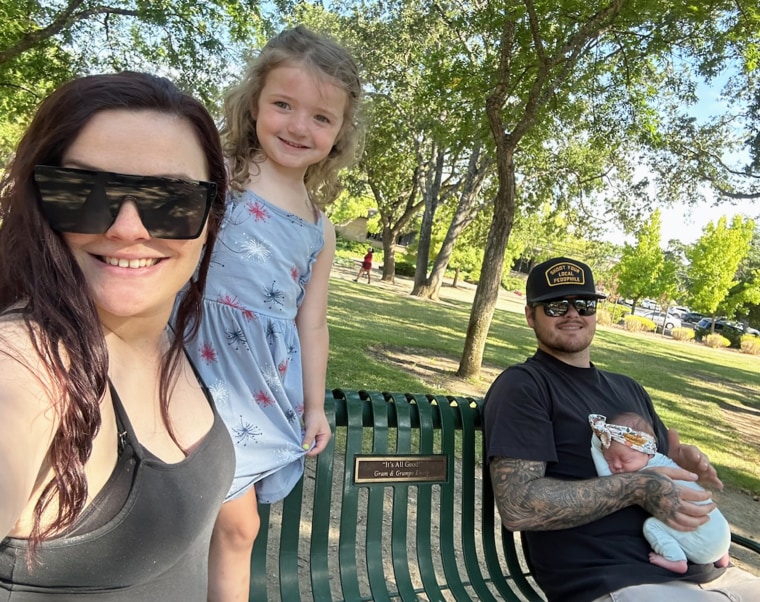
<point x="711" y="396"/>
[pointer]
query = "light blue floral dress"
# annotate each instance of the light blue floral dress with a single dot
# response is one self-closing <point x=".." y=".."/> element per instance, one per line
<point x="247" y="349"/>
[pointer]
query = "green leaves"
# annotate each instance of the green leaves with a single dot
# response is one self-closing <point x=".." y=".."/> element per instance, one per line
<point x="198" y="44"/>
<point x="643" y="270"/>
<point x="715" y="259"/>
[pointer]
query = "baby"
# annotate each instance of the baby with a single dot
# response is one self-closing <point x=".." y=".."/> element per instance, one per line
<point x="627" y="445"/>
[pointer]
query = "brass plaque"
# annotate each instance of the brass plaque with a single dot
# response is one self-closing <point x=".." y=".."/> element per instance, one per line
<point x="400" y="469"/>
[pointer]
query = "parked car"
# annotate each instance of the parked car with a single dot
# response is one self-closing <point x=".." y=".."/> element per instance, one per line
<point x="691" y="318"/>
<point x="679" y="310"/>
<point x="650" y="304"/>
<point x="733" y="331"/>
<point x="660" y="318"/>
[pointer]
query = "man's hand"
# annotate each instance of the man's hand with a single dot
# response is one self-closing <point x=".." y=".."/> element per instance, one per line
<point x="676" y="505"/>
<point x="690" y="458"/>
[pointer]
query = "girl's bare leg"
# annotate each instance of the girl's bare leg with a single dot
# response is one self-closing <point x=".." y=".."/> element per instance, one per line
<point x="229" y="562"/>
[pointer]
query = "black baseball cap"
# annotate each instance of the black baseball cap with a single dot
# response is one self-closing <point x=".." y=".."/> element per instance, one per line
<point x="561" y="277"/>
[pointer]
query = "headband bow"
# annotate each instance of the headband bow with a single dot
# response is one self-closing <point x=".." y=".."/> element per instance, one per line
<point x="638" y="440"/>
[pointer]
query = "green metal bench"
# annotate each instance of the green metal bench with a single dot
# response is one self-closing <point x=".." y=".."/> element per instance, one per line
<point x="398" y="507"/>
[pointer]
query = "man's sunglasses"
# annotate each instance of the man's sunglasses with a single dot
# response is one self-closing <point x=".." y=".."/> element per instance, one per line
<point x="559" y="307"/>
<point x="87" y="202"/>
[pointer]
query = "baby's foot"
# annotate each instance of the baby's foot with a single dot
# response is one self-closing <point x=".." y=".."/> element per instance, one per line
<point x="677" y="566"/>
<point x="722" y="562"/>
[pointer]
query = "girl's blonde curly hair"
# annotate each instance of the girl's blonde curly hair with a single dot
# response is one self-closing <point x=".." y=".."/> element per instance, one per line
<point x="298" y="46"/>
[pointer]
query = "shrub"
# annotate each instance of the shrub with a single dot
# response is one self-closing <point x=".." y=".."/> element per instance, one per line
<point x="616" y="311"/>
<point x="405" y="269"/>
<point x="682" y="334"/>
<point x="639" y="324"/>
<point x="750" y="344"/>
<point x="603" y="317"/>
<point x="732" y="334"/>
<point x="353" y="247"/>
<point x="513" y="284"/>
<point x="472" y="276"/>
<point x="716" y="340"/>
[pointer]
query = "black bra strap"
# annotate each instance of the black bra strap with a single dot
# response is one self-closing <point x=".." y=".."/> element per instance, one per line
<point x="124" y="426"/>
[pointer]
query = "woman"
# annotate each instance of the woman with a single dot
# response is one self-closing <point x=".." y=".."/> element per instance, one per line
<point x="114" y="463"/>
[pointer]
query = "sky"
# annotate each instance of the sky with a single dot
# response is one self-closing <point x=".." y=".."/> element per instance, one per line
<point x="685" y="223"/>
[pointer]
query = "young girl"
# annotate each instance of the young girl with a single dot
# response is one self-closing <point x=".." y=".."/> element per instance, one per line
<point x="366" y="267"/>
<point x="290" y="126"/>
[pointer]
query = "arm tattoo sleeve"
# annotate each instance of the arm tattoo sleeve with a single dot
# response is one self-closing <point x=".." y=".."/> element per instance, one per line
<point x="527" y="500"/>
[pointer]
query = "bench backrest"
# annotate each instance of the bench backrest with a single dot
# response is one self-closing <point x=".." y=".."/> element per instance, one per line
<point x="397" y="507"/>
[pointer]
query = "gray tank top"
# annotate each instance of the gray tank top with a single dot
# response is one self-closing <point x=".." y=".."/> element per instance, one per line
<point x="145" y="536"/>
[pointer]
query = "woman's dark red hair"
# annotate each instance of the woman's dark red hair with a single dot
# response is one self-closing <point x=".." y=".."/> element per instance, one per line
<point x="40" y="279"/>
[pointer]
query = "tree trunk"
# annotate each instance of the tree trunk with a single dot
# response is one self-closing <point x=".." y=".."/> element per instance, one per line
<point x="389" y="255"/>
<point x="431" y="191"/>
<point x="487" y="292"/>
<point x="549" y="73"/>
<point x="464" y="215"/>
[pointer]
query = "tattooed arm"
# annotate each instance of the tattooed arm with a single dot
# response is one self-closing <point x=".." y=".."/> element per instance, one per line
<point x="529" y="501"/>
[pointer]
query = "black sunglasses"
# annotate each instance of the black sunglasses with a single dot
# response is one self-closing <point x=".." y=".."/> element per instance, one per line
<point x="87" y="202"/>
<point x="559" y="307"/>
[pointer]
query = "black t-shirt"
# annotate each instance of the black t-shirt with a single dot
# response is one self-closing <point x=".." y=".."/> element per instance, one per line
<point x="539" y="411"/>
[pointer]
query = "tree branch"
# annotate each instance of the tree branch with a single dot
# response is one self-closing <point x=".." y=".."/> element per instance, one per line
<point x="63" y="20"/>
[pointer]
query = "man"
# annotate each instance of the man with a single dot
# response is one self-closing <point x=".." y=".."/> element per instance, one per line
<point x="584" y="533"/>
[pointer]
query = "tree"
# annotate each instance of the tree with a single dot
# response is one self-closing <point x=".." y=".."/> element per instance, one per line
<point x="42" y="44"/>
<point x="468" y="205"/>
<point x="744" y="296"/>
<point x="641" y="265"/>
<point x="714" y="260"/>
<point x="754" y="134"/>
<point x="539" y="47"/>
<point x="348" y="207"/>
<point x="598" y="65"/>
<point x="572" y="101"/>
<point x="391" y="169"/>
<point x="749" y="271"/>
<point x="422" y="123"/>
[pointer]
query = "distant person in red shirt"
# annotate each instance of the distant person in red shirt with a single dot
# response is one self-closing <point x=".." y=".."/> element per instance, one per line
<point x="366" y="267"/>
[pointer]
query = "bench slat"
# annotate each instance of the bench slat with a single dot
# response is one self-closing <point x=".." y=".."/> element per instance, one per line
<point x="288" y="552"/>
<point x="375" y="511"/>
<point x="349" y="516"/>
<point x="258" y="589"/>
<point x="515" y="571"/>
<point x="448" y="498"/>
<point x="469" y="459"/>
<point x="425" y="503"/>
<point x="399" y="539"/>
<point x="319" y="546"/>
